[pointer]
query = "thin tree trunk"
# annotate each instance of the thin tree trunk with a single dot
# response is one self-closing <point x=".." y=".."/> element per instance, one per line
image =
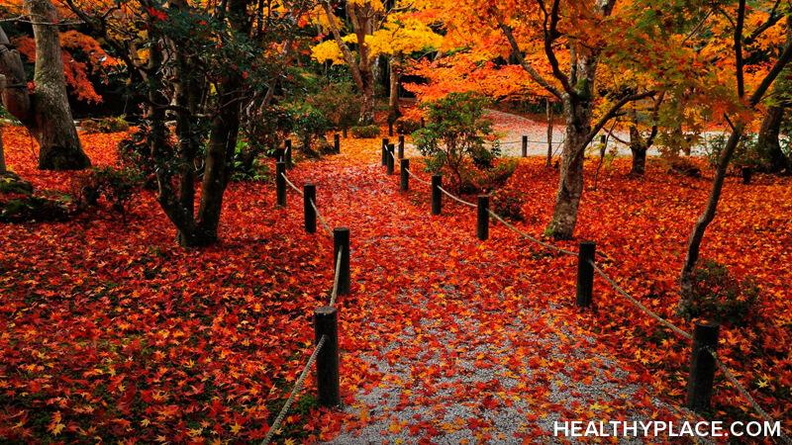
<point x="54" y="129"/>
<point x="697" y="236"/>
<point x="393" y="101"/>
<point x="549" y="112"/>
<point x="768" y="143"/>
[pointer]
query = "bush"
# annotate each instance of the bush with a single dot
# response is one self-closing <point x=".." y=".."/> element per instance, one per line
<point x="477" y="180"/>
<point x="105" y="125"/>
<point x="407" y="126"/>
<point x="365" y="132"/>
<point x="34" y="209"/>
<point x="684" y="167"/>
<point x="117" y="186"/>
<point x="746" y="154"/>
<point x="455" y="133"/>
<point x="716" y="295"/>
<point x="508" y="203"/>
<point x="308" y="123"/>
<point x="248" y="164"/>
<point x="339" y="103"/>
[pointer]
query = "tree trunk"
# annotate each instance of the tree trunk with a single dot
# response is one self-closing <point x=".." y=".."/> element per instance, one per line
<point x="638" y="147"/>
<point x="768" y="143"/>
<point x="549" y="112"/>
<point x="367" y="103"/>
<point x="54" y="127"/>
<point x="694" y="243"/>
<point x="570" y="188"/>
<point x="393" y="101"/>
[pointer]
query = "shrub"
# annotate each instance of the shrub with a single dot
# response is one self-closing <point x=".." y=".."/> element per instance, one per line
<point x="366" y="132"/>
<point x="746" y="154"/>
<point x="308" y="123"/>
<point x="716" y="295"/>
<point x="105" y="125"/>
<point x="34" y="209"/>
<point x="339" y="103"/>
<point x="508" y="203"/>
<point x="683" y="166"/>
<point x="477" y="180"/>
<point x="133" y="152"/>
<point x="407" y="126"/>
<point x="457" y="131"/>
<point x="248" y="164"/>
<point x="117" y="186"/>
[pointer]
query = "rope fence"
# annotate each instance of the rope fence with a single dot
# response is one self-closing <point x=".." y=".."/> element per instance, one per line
<point x="325" y="353"/>
<point x="701" y="377"/>
<point x="275" y="427"/>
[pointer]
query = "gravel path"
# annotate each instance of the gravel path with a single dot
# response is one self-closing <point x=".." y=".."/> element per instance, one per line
<point x="466" y="350"/>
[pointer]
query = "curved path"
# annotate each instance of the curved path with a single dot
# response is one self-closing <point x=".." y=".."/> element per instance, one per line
<point x="449" y="340"/>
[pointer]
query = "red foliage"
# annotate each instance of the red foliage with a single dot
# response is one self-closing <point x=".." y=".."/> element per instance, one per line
<point x="113" y="331"/>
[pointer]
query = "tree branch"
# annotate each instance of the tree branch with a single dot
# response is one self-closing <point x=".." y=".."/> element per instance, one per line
<point x="507" y="31"/>
<point x="613" y="111"/>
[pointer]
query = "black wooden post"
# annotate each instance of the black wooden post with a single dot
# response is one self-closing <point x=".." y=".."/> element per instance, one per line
<point x="390" y="128"/>
<point x="482" y="226"/>
<point x="747" y="173"/>
<point x="280" y="183"/>
<point x="391" y="160"/>
<point x="280" y="155"/>
<point x="401" y="146"/>
<point x="287" y="151"/>
<point x="327" y="379"/>
<point x="337" y="143"/>
<point x="437" y="203"/>
<point x="585" y="278"/>
<point x="341" y="241"/>
<point x="524" y="146"/>
<point x="404" y="170"/>
<point x="385" y="143"/>
<point x="309" y="195"/>
<point x="702" y="366"/>
<point x="423" y="122"/>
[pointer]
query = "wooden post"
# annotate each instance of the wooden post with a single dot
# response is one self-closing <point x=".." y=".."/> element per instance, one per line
<point x="327" y="376"/>
<point x="385" y="143"/>
<point x="401" y="146"/>
<point x="280" y="183"/>
<point x="437" y="203"/>
<point x="702" y="366"/>
<point x="390" y="128"/>
<point x="423" y="122"/>
<point x="482" y="226"/>
<point x="287" y="151"/>
<point x="747" y="173"/>
<point x="341" y="241"/>
<point x="391" y="160"/>
<point x="525" y="146"/>
<point x="585" y="278"/>
<point x="337" y="143"/>
<point x="309" y="194"/>
<point x="280" y="155"/>
<point x="404" y="170"/>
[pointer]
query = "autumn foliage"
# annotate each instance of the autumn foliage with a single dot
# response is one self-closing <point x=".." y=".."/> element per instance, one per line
<point x="112" y="331"/>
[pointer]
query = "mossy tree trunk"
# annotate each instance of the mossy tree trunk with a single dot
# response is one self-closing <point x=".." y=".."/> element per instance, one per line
<point x="45" y="110"/>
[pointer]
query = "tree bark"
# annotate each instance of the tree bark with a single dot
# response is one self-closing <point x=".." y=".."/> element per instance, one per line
<point x="549" y="112"/>
<point x="54" y="127"/>
<point x="638" y="147"/>
<point x="768" y="143"/>
<point x="570" y="188"/>
<point x="697" y="235"/>
<point x="393" y="97"/>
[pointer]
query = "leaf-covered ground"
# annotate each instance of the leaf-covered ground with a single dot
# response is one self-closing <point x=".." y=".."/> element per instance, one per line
<point x="111" y="331"/>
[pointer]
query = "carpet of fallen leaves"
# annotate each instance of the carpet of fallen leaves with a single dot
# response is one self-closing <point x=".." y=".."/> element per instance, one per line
<point x="112" y="332"/>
